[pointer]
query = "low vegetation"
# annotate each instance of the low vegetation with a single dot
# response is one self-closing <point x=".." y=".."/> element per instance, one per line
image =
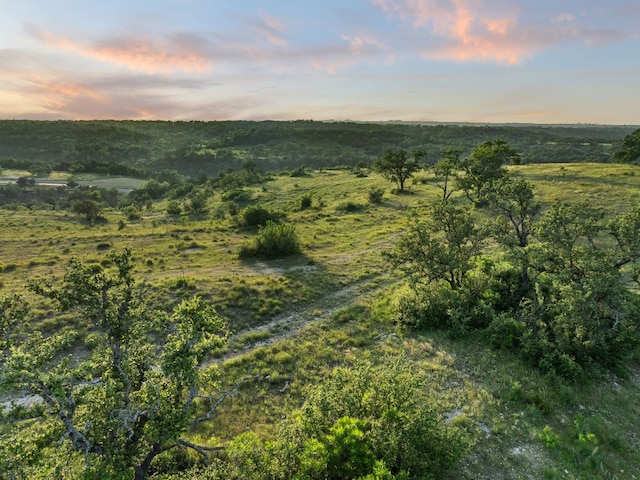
<point x="265" y="326"/>
<point x="273" y="241"/>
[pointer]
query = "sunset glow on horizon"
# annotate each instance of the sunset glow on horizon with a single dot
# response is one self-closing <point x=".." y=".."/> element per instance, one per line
<point x="528" y="61"/>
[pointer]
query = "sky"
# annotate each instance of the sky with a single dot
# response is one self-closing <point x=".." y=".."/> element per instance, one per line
<point x="485" y="61"/>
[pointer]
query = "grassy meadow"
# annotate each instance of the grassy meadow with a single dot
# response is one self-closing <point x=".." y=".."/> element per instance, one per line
<point x="293" y="320"/>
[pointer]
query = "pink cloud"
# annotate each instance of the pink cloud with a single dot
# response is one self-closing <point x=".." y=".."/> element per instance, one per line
<point x="179" y="52"/>
<point x="357" y="48"/>
<point x="56" y="95"/>
<point x="359" y="43"/>
<point x="467" y="31"/>
<point x="483" y="31"/>
<point x="271" y="28"/>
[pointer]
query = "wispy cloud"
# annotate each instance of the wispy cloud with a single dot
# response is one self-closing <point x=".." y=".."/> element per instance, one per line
<point x="354" y="49"/>
<point x="56" y="94"/>
<point x="180" y="52"/>
<point x="481" y="31"/>
<point x="25" y="93"/>
<point x="362" y="43"/>
<point x="271" y="29"/>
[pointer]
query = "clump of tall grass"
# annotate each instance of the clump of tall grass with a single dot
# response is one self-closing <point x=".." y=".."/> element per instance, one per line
<point x="273" y="241"/>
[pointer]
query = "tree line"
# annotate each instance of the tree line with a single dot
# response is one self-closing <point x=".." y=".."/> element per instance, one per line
<point x="213" y="147"/>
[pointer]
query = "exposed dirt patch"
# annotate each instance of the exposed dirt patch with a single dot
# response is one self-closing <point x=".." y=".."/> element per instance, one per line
<point x="287" y="324"/>
<point x="27" y="400"/>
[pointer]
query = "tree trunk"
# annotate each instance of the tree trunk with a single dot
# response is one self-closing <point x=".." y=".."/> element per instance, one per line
<point x="142" y="470"/>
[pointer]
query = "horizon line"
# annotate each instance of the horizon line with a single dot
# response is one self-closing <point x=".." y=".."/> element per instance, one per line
<point x="330" y="120"/>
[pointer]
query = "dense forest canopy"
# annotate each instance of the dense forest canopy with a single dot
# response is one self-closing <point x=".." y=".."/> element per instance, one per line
<point x="212" y="147"/>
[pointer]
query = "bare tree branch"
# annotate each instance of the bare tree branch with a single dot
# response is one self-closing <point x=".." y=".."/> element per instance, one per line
<point x="214" y="404"/>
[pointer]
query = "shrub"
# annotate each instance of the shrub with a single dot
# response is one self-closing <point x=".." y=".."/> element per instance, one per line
<point x="131" y="212"/>
<point x="350" y="207"/>
<point x="420" y="180"/>
<point x="427" y="308"/>
<point x="173" y="208"/>
<point x="10" y="267"/>
<point x="236" y="195"/>
<point x="257" y="215"/>
<point x="299" y="172"/>
<point x="365" y="418"/>
<point x="375" y="196"/>
<point x="344" y="451"/>
<point x="248" y="457"/>
<point x="550" y="438"/>
<point x="197" y="203"/>
<point x="470" y="312"/>
<point x="273" y="241"/>
<point x="184" y="283"/>
<point x="305" y="202"/>
<point x="505" y="332"/>
<point x="94" y="268"/>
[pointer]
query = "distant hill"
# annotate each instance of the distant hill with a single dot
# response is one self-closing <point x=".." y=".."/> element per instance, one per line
<point x="211" y="147"/>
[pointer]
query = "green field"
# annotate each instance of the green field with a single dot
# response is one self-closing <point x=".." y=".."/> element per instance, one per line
<point x="295" y="319"/>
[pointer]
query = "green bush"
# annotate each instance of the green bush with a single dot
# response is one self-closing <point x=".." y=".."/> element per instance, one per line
<point x="343" y="452"/>
<point x="470" y="312"/>
<point x="505" y="332"/>
<point x="257" y="215"/>
<point x="237" y="195"/>
<point x="299" y="172"/>
<point x="184" y="283"/>
<point x="197" y="203"/>
<point x="248" y="458"/>
<point x="366" y="422"/>
<point x="305" y="202"/>
<point x="375" y="196"/>
<point x="173" y="208"/>
<point x="273" y="241"/>
<point x="426" y="308"/>
<point x="350" y="207"/>
<point x="420" y="180"/>
<point x="365" y="418"/>
<point x="10" y="267"/>
<point x="131" y="212"/>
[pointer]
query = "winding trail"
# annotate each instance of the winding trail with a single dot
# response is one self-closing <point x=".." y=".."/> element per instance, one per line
<point x="287" y="324"/>
<point x="280" y="327"/>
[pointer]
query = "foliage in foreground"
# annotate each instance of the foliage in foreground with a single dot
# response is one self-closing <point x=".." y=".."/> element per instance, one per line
<point x="139" y="391"/>
<point x="131" y="401"/>
<point x="363" y="422"/>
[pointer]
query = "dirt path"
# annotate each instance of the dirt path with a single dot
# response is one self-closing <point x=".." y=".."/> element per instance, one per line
<point x="282" y="326"/>
<point x="287" y="324"/>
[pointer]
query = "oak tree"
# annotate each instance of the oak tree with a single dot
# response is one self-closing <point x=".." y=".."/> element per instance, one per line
<point x="483" y="168"/>
<point x="140" y="390"/>
<point x="397" y="166"/>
